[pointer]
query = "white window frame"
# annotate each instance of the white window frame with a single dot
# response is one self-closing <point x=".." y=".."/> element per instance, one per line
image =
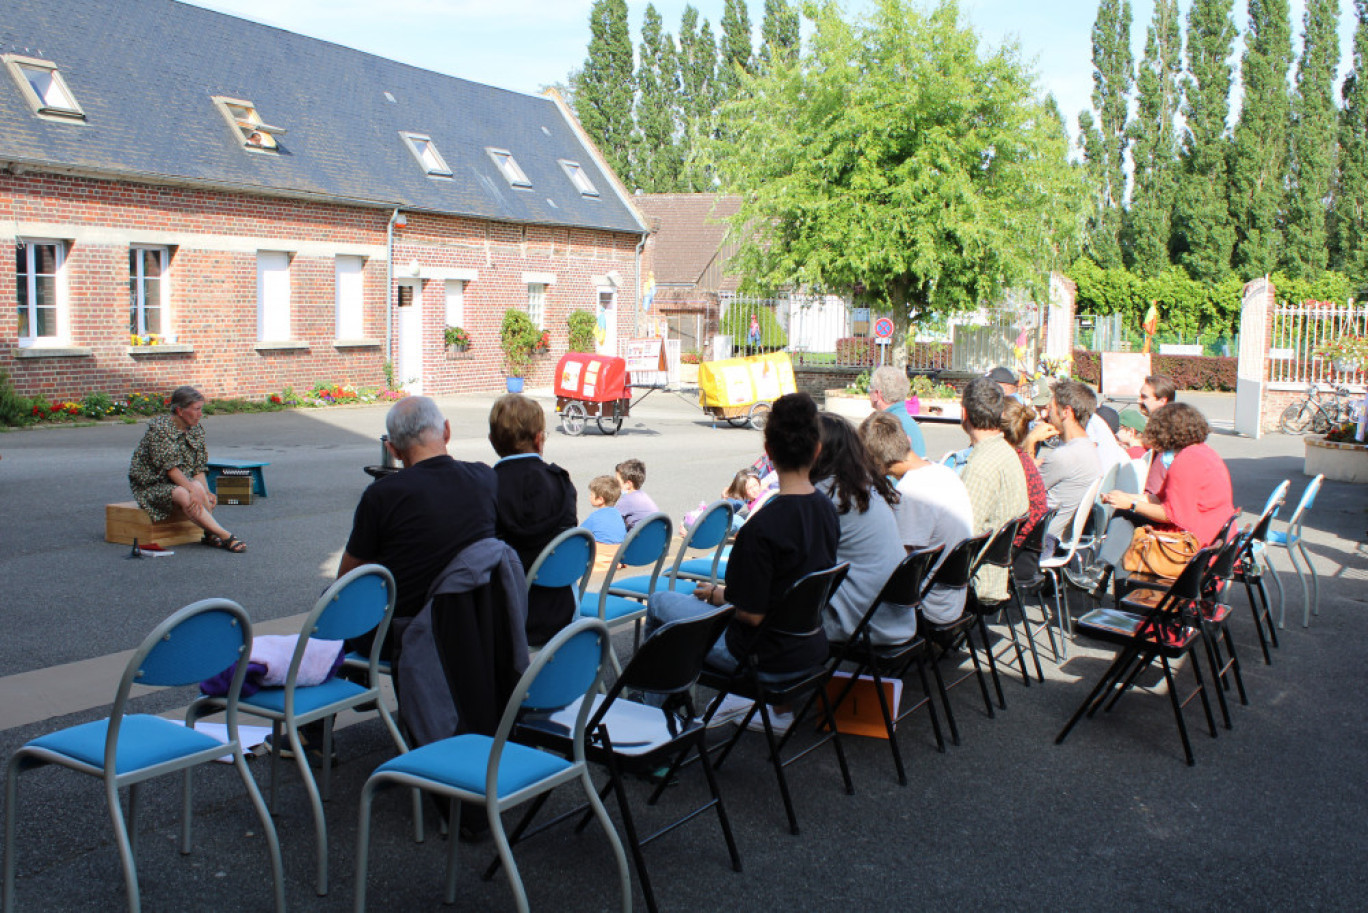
<point x="508" y="167"/>
<point x="29" y="279"/>
<point x="579" y="177"/>
<point x="349" y="297"/>
<point x="425" y="151"/>
<point x="455" y="303"/>
<point x="273" y="298"/>
<point x="138" y="292"/>
<point x="57" y="100"/>
<point x="536" y="303"/>
<point x="242" y="116"/>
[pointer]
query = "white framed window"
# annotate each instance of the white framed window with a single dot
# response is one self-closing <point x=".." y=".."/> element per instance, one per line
<point x="425" y="151"/>
<point x="147" y="292"/>
<point x="536" y="304"/>
<point x="273" y="296"/>
<point x="38" y="279"/>
<point x="508" y="167"/>
<point x="255" y="133"/>
<point x="575" y="172"/>
<point x="43" y="86"/>
<point x="349" y="292"/>
<point x="455" y="303"/>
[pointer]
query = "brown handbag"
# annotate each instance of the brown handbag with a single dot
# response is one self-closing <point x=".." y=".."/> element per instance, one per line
<point x="1162" y="552"/>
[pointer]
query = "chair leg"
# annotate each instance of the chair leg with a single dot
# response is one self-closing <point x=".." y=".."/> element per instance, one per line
<point x="930" y="706"/>
<point x="454" y="854"/>
<point x="624" y="874"/>
<point x="1315" y="583"/>
<point x="187" y="793"/>
<point x="267" y="826"/>
<point x="1201" y="690"/>
<point x="1267" y="612"/>
<point x="1258" y="619"/>
<point x="315" y="802"/>
<point x="1178" y="711"/>
<point x="130" y="869"/>
<point x="945" y="702"/>
<point x="836" y="741"/>
<point x="1217" y="680"/>
<point x="711" y="777"/>
<point x="992" y="660"/>
<point x="1118" y="665"/>
<point x="131" y="819"/>
<point x="888" y="727"/>
<point x="1234" y="663"/>
<point x="1306" y="591"/>
<point x="363" y="845"/>
<point x="633" y="841"/>
<point x="978" y="672"/>
<point x="778" y="766"/>
<point x="1267" y="558"/>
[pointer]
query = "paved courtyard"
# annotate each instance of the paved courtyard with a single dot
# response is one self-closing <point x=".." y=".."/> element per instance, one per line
<point x="1271" y="816"/>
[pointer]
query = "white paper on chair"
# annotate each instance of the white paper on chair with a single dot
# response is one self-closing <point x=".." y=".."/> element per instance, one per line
<point x="251" y="736"/>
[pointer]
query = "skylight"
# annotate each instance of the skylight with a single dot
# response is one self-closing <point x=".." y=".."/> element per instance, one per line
<point x="244" y="118"/>
<point x="575" y="172"/>
<point x="425" y="151"/>
<point x="43" y="86"/>
<point x="503" y="160"/>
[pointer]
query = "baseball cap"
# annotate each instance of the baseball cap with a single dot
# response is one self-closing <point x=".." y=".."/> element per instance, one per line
<point x="1134" y="420"/>
<point x="1108" y="415"/>
<point x="1003" y="376"/>
<point x="1042" y="399"/>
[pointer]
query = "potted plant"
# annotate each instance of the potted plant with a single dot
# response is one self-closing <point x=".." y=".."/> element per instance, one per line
<point x="688" y="366"/>
<point x="583" y="326"/>
<point x="543" y="343"/>
<point x="1346" y="353"/>
<point x="457" y="339"/>
<point x="518" y="337"/>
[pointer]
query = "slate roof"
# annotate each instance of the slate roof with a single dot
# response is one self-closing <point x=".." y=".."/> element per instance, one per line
<point x="689" y="232"/>
<point x="144" y="72"/>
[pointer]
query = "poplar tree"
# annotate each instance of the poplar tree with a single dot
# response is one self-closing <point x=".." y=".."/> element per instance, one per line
<point x="1312" y="164"/>
<point x="1258" y="167"/>
<point x="1104" y="142"/>
<point x="605" y="87"/>
<point x="1349" y="218"/>
<point x="778" y="32"/>
<point x="657" y="162"/>
<point x="735" y="52"/>
<point x="1204" y="236"/>
<point x="1149" y="218"/>
<point x="698" y="101"/>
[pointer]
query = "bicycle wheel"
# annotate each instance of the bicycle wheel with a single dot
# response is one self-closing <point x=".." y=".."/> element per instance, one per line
<point x="1296" y="418"/>
<point x="1321" y="421"/>
<point x="573" y="417"/>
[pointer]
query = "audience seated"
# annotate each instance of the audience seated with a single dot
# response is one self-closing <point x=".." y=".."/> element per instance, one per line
<point x="604" y="523"/>
<point x="634" y="503"/>
<point x="933" y="506"/>
<point x="1071" y="467"/>
<point x="869" y="534"/>
<point x="1101" y="430"/>
<point x="1016" y="425"/>
<point x="888" y="389"/>
<point x="992" y="476"/>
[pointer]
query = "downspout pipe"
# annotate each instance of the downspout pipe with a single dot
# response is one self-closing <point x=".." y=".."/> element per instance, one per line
<point x="636" y="311"/>
<point x="389" y="287"/>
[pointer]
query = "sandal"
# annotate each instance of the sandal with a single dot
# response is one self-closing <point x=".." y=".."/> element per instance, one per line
<point x="231" y="544"/>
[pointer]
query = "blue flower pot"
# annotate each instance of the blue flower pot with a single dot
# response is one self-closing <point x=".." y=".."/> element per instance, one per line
<point x="514" y="384"/>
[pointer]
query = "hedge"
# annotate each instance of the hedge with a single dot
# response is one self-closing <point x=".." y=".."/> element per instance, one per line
<point x="1189" y="372"/>
<point x="862" y="350"/>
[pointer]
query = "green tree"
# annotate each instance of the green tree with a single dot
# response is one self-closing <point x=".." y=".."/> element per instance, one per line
<point x="1154" y="150"/>
<point x="1349" y="218"/>
<point x="1258" y="168"/>
<point x="1204" y="236"/>
<point x="698" y="96"/>
<point x="657" y="161"/>
<point x="734" y="57"/>
<point x="778" y="31"/>
<point x="1306" y="250"/>
<point x="605" y="87"/>
<point x="1105" y="137"/>
<point x="897" y="160"/>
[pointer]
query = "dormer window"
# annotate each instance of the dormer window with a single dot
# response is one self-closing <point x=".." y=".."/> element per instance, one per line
<point x="575" y="172"/>
<point x="44" y="86"/>
<point x="243" y="116"/>
<point x="425" y="151"/>
<point x="508" y="167"/>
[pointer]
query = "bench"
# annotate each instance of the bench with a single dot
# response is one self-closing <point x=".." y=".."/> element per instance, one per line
<point x="126" y="521"/>
<point x="255" y="467"/>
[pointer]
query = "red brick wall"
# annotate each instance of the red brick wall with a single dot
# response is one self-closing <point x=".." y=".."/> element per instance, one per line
<point x="213" y="292"/>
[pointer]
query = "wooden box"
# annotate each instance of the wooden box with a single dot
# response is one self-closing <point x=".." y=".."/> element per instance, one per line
<point x="126" y="521"/>
<point x="234" y="489"/>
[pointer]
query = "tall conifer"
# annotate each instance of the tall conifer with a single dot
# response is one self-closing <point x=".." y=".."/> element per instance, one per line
<point x="1349" y="218"/>
<point x="1105" y="139"/>
<point x="735" y="51"/>
<point x="778" y="32"/>
<point x="1305" y="253"/>
<point x="1204" y="235"/>
<point x="1258" y="165"/>
<point x="657" y="160"/>
<point x="606" y="87"/>
<point x="698" y="96"/>
<point x="1158" y="84"/>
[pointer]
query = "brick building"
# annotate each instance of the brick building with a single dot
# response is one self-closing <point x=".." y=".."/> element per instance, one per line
<point x="686" y="258"/>
<point x="271" y="210"/>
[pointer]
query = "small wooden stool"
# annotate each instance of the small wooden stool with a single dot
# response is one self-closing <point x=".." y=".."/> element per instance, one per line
<point x="256" y="467"/>
<point x="126" y="521"/>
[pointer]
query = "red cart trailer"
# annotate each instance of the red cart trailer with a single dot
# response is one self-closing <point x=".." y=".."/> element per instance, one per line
<point x="591" y="385"/>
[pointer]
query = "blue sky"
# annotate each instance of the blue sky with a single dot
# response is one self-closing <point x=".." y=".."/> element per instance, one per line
<point x="526" y="44"/>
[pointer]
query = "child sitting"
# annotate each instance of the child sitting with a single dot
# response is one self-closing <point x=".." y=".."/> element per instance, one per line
<point x="634" y="504"/>
<point x="604" y="522"/>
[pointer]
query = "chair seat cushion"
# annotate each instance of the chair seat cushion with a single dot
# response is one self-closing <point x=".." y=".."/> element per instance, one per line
<point x="307" y="700"/>
<point x="614" y="607"/>
<point x="144" y="741"/>
<point x="702" y="567"/>
<point x="640" y="584"/>
<point x="462" y="762"/>
<point x="1280" y="538"/>
<point x="1111" y="624"/>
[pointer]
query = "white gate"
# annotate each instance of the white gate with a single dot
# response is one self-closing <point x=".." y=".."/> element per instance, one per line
<point x="1250" y="368"/>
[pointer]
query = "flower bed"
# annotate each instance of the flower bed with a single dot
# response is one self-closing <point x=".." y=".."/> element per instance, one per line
<point x="1342" y="462"/>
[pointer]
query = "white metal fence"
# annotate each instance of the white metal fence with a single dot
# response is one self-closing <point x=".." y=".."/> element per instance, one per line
<point x="1299" y="330"/>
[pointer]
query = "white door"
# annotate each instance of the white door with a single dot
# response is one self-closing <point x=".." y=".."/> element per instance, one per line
<point x="408" y="372"/>
<point x="607" y="322"/>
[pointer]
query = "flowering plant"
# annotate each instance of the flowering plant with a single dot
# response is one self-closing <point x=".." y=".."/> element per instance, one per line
<point x="1351" y="350"/>
<point x="544" y="344"/>
<point x="1343" y="433"/>
<point x="456" y="336"/>
<point x="146" y="339"/>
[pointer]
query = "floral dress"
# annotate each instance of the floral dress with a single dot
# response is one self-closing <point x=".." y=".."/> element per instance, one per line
<point x="165" y="447"/>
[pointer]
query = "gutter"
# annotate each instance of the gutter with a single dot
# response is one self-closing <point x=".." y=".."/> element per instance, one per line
<point x="389" y="288"/>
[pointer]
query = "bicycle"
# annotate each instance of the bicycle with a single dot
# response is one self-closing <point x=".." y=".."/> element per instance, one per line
<point x="1323" y="406"/>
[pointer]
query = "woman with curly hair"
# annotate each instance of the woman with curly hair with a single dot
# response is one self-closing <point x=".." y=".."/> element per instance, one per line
<point x="846" y="473"/>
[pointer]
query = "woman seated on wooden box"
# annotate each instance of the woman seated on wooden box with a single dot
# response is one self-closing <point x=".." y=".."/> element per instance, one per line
<point x="168" y="470"/>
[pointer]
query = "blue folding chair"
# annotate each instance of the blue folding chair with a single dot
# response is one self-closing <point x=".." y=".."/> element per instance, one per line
<point x="500" y="774"/>
<point x="360" y="601"/>
<point x="708" y="533"/>
<point x="1292" y="539"/>
<point x="647" y="546"/>
<point x="567" y="560"/>
<point x="195" y="643"/>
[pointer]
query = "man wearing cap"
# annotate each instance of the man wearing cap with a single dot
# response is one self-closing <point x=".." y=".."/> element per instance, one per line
<point x="888" y="389"/>
<point x="1007" y="379"/>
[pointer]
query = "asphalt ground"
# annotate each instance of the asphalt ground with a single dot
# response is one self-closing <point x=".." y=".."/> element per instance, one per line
<point x="1270" y="817"/>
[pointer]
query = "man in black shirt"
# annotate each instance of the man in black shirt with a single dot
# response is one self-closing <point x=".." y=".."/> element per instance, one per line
<point x="415" y="521"/>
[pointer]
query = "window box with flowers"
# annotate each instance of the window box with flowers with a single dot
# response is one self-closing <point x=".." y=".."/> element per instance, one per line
<point x="141" y="344"/>
<point x="543" y="345"/>
<point x="1346" y="353"/>
<point x="457" y="339"/>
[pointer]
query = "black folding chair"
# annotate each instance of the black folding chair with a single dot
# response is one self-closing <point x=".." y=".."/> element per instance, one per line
<point x="1027" y="579"/>
<point x="799" y="614"/>
<point x="902" y="592"/>
<point x="1165" y="632"/>
<point x="954" y="572"/>
<point x="997" y="553"/>
<point x="630" y="737"/>
<point x="1249" y="568"/>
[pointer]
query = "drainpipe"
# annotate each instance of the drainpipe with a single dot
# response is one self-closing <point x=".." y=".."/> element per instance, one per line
<point x="389" y="286"/>
<point x="636" y="311"/>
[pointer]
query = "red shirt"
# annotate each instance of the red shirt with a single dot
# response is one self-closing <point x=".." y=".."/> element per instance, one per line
<point x="1196" y="492"/>
<point x="1035" y="493"/>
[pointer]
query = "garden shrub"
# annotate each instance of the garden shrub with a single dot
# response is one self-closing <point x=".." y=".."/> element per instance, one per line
<point x="1189" y="372"/>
